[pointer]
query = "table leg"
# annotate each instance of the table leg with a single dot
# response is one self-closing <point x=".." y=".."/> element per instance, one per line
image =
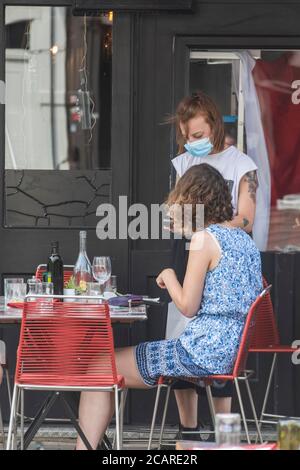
<point x="39" y="418"/>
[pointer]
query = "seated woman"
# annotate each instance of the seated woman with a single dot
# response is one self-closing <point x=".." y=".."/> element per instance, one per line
<point x="222" y="280"/>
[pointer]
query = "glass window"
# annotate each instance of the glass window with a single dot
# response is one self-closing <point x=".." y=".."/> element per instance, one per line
<point x="16" y="35"/>
<point x="258" y="93"/>
<point x="57" y="116"/>
<point x="218" y="73"/>
<point x="58" y="89"/>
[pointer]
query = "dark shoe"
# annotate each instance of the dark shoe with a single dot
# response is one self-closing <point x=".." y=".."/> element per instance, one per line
<point x="195" y="434"/>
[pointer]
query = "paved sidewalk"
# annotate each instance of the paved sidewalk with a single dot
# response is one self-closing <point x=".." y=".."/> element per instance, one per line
<point x="135" y="437"/>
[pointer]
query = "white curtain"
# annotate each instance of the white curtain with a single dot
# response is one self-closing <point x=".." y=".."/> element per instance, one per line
<point x="257" y="150"/>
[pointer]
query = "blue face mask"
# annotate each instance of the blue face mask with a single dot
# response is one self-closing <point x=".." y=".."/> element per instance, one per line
<point x="199" y="148"/>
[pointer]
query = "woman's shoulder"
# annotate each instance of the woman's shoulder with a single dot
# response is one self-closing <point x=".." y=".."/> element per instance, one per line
<point x="233" y="237"/>
<point x="224" y="232"/>
<point x="202" y="240"/>
<point x="183" y="162"/>
<point x="240" y="159"/>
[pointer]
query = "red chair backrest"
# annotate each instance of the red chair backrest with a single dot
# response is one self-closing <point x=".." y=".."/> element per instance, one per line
<point x="266" y="331"/>
<point x="248" y="332"/>
<point x="68" y="272"/>
<point x="68" y="344"/>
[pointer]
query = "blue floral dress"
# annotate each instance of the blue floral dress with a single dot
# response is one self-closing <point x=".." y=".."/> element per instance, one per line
<point x="210" y="341"/>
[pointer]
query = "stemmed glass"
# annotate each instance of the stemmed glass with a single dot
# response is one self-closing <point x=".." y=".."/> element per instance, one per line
<point x="101" y="269"/>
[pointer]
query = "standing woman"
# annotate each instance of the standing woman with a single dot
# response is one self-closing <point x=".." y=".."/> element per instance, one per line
<point x="200" y="137"/>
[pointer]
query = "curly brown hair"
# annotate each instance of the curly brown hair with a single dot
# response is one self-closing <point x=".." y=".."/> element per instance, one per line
<point x="203" y="184"/>
<point x="190" y="107"/>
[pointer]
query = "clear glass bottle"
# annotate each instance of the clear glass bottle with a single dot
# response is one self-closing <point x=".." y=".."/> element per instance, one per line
<point x="82" y="269"/>
<point x="288" y="434"/>
<point x="228" y="429"/>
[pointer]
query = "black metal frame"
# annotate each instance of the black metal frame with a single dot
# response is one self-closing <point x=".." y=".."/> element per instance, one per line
<point x="91" y="6"/>
<point x="43" y="413"/>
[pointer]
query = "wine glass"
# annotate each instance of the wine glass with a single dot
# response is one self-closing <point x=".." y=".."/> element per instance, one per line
<point x="101" y="269"/>
<point x="111" y="284"/>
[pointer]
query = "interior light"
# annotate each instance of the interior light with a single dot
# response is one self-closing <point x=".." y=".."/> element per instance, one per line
<point x="54" y="49"/>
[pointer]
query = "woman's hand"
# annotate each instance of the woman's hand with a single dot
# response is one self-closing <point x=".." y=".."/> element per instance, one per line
<point x="160" y="280"/>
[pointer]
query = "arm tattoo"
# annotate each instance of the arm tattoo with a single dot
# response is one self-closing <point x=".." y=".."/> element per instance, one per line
<point x="245" y="222"/>
<point x="251" y="178"/>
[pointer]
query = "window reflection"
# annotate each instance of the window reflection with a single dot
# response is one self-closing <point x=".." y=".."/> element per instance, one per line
<point x="258" y="93"/>
<point x="58" y="89"/>
<point x="217" y="73"/>
<point x="277" y="81"/>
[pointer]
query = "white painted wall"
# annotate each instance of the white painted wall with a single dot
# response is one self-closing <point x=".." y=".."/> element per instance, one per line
<point x="28" y="123"/>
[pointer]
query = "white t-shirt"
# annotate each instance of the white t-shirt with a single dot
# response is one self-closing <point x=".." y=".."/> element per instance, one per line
<point x="231" y="163"/>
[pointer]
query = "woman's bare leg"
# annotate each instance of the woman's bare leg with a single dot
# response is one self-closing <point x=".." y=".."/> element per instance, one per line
<point x="95" y="412"/>
<point x="222" y="404"/>
<point x="97" y="408"/>
<point x="187" y="403"/>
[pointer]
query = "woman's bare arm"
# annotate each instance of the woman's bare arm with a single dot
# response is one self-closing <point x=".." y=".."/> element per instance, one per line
<point x="247" y="202"/>
<point x="187" y="298"/>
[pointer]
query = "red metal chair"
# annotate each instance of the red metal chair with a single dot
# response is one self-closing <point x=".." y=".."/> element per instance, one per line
<point x="64" y="347"/>
<point x="266" y="340"/>
<point x="239" y="374"/>
<point x="41" y="269"/>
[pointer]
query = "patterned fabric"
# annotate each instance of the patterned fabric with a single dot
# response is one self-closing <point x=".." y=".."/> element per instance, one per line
<point x="167" y="358"/>
<point x="210" y="341"/>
